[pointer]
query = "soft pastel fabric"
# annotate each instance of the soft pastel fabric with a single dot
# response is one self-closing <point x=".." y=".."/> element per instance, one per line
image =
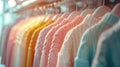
<point x="11" y="41"/>
<point x="6" y="28"/>
<point x="0" y="59"/>
<point x="71" y="42"/>
<point x="3" y="42"/>
<point x="108" y="49"/>
<point x="14" y="60"/>
<point x="90" y="38"/>
<point x="20" y="47"/>
<point x="47" y="43"/>
<point x="58" y="39"/>
<point x="31" y="47"/>
<point x="26" y="40"/>
<point x="1" y="65"/>
<point x="40" y="42"/>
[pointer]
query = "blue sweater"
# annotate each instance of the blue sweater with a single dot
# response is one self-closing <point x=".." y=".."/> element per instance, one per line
<point x="108" y="49"/>
<point x="90" y="38"/>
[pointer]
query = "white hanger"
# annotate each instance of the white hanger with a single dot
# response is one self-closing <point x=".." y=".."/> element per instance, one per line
<point x="73" y="15"/>
<point x="85" y="12"/>
<point x="116" y="9"/>
<point x="101" y="11"/>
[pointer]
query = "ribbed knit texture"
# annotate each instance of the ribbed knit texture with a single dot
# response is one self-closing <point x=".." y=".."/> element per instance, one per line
<point x="90" y="38"/>
<point x="48" y="41"/>
<point x="58" y="39"/>
<point x="20" y="47"/>
<point x="11" y="42"/>
<point x="71" y="42"/>
<point x="108" y="52"/>
<point x="31" y="47"/>
<point x="40" y="42"/>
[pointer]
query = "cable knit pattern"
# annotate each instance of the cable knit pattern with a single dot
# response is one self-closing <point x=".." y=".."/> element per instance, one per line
<point x="48" y="41"/>
<point x="40" y="42"/>
<point x="58" y="39"/>
<point x="89" y="40"/>
<point x="71" y="42"/>
<point x="108" y="51"/>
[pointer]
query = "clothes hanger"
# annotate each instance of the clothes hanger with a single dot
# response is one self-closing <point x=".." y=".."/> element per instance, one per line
<point x="56" y="16"/>
<point x="85" y="12"/>
<point x="101" y="11"/>
<point x="116" y="9"/>
<point x="73" y="15"/>
<point x="53" y="16"/>
<point x="48" y="17"/>
<point x="65" y="15"/>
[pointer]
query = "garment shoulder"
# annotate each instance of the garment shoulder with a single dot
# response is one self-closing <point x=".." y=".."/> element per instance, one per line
<point x="87" y="34"/>
<point x="110" y="37"/>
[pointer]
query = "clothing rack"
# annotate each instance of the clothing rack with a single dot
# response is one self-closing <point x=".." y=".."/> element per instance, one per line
<point x="42" y="7"/>
<point x="46" y="4"/>
<point x="22" y="7"/>
<point x="34" y="4"/>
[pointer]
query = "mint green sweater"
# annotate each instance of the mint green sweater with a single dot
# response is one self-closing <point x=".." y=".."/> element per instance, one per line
<point x="90" y="39"/>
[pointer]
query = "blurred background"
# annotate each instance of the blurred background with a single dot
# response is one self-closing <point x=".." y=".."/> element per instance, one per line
<point x="10" y="10"/>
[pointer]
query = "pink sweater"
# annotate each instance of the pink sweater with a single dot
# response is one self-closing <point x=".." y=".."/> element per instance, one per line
<point x="58" y="39"/>
<point x="40" y="42"/>
<point x="48" y="41"/>
<point x="72" y="40"/>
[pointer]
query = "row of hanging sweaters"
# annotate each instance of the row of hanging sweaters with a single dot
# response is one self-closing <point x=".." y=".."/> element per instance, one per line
<point x="87" y="39"/>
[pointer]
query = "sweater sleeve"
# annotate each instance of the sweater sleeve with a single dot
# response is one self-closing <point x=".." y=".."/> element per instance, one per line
<point x="65" y="56"/>
<point x="82" y="58"/>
